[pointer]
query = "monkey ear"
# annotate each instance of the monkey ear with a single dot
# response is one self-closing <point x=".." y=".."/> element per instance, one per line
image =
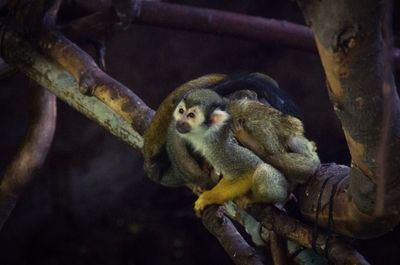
<point x="218" y="117"/>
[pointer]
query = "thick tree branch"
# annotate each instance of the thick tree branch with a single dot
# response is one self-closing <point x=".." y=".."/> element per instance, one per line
<point x="268" y="31"/>
<point x="353" y="55"/>
<point x="93" y="81"/>
<point x="32" y="153"/>
<point x="20" y="54"/>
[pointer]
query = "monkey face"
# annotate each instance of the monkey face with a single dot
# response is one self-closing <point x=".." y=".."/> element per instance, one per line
<point x="189" y="120"/>
<point x="198" y="120"/>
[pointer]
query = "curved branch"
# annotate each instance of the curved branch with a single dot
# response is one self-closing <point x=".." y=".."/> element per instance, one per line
<point x="268" y="31"/>
<point x="20" y="54"/>
<point x="355" y="63"/>
<point x="32" y="153"/>
<point x="93" y="81"/>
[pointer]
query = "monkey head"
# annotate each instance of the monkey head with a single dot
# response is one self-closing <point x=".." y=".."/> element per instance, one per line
<point x="199" y="113"/>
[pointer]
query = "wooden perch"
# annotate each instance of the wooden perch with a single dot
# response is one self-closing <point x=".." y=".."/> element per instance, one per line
<point x="166" y="15"/>
<point x="33" y="150"/>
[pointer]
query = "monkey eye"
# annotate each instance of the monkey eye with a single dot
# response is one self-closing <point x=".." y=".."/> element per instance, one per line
<point x="181" y="111"/>
<point x="191" y="115"/>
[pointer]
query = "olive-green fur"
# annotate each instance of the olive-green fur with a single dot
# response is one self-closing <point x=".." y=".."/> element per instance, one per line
<point x="266" y="133"/>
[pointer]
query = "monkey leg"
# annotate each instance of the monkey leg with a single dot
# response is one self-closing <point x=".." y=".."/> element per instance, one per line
<point x="245" y="139"/>
<point x="300" y="163"/>
<point x="269" y="185"/>
<point x="224" y="191"/>
<point x="296" y="167"/>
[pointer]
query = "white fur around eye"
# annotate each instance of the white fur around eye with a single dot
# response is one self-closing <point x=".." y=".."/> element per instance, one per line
<point x="198" y="120"/>
<point x="178" y="115"/>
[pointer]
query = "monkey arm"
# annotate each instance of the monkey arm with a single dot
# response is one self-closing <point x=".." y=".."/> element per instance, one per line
<point x="247" y="140"/>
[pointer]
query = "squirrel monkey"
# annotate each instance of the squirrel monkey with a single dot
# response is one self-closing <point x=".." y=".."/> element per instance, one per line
<point x="207" y="122"/>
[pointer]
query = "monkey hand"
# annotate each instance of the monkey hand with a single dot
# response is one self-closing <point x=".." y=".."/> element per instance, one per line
<point x="201" y="203"/>
<point x="245" y="138"/>
<point x="237" y="127"/>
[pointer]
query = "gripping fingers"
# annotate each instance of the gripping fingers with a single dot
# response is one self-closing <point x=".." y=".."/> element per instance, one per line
<point x="237" y="126"/>
<point x="200" y="204"/>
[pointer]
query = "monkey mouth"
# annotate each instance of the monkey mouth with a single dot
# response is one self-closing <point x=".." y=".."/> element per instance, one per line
<point x="182" y="127"/>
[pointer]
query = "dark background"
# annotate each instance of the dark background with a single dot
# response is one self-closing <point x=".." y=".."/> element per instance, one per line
<point x="91" y="203"/>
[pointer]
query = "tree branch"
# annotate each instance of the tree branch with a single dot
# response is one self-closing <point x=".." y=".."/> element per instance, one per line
<point x="93" y="81"/>
<point x="278" y="249"/>
<point x="20" y="54"/>
<point x="268" y="31"/>
<point x="292" y="229"/>
<point x="235" y="246"/>
<point x="353" y="55"/>
<point x="32" y="153"/>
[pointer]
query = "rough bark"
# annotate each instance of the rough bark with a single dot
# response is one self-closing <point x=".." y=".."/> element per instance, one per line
<point x="94" y="82"/>
<point x="20" y="54"/>
<point x="349" y="37"/>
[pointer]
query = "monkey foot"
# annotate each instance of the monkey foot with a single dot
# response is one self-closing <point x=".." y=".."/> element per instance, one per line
<point x="200" y="204"/>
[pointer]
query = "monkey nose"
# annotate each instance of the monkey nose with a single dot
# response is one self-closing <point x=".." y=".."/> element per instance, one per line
<point x="182" y="127"/>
